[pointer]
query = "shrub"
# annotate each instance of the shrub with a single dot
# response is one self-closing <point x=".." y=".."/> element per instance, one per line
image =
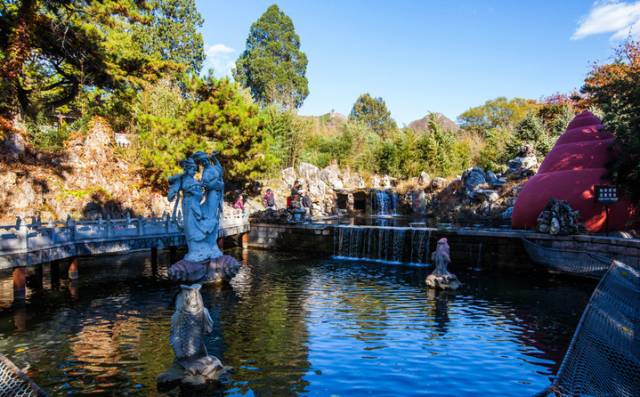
<point x="47" y="136"/>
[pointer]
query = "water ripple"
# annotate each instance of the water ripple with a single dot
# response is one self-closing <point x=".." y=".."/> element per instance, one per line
<point x="301" y="326"/>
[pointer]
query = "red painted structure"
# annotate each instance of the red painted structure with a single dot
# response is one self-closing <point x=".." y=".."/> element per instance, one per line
<point x="570" y="172"/>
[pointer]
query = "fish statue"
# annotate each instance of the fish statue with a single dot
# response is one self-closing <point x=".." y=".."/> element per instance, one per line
<point x="190" y="323"/>
<point x="441" y="257"/>
<point x="440" y="278"/>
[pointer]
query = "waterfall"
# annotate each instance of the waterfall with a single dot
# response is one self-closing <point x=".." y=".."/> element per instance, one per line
<point x="384" y="202"/>
<point x="420" y="239"/>
<point x="380" y="243"/>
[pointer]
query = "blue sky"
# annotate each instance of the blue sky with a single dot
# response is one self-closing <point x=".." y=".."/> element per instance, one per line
<point x="431" y="56"/>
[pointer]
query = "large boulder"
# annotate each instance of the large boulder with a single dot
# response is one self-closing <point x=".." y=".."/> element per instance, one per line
<point x="524" y="165"/>
<point x="331" y="176"/>
<point x="289" y="176"/>
<point x="419" y="201"/>
<point x="308" y="171"/>
<point x="438" y="183"/>
<point x="473" y="179"/>
<point x="424" y="179"/>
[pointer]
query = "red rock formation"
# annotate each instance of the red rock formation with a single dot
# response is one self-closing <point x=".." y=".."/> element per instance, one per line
<point x="570" y="172"/>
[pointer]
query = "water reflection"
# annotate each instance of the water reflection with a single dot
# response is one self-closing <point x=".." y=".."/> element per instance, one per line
<point x="291" y="326"/>
<point x="264" y="332"/>
<point x="438" y="309"/>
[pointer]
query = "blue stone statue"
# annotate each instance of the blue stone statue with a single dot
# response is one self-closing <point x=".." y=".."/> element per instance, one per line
<point x="214" y="193"/>
<point x="202" y="205"/>
<point x="190" y="323"/>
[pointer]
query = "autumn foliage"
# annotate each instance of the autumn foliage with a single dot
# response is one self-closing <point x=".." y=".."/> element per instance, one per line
<point x="615" y="89"/>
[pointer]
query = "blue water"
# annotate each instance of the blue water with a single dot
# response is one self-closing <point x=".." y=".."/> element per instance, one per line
<point x="299" y="326"/>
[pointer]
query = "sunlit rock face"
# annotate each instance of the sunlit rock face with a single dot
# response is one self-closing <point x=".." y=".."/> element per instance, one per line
<point x="570" y="172"/>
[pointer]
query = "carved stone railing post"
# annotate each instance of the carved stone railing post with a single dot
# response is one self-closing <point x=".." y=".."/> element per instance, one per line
<point x="167" y="223"/>
<point x="22" y="232"/>
<point x="109" y="226"/>
<point x="100" y="227"/>
<point x="71" y="225"/>
<point x="140" y="226"/>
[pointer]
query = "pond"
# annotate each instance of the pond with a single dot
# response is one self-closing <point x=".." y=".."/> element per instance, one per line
<point x="299" y="326"/>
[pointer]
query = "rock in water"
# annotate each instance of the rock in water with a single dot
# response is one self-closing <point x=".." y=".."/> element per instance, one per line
<point x="440" y="278"/>
<point x="191" y="321"/>
<point x="217" y="270"/>
<point x="444" y="282"/>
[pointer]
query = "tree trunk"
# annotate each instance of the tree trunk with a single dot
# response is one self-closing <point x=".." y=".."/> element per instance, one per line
<point x="17" y="51"/>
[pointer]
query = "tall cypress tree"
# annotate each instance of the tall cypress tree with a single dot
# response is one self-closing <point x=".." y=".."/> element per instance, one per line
<point x="272" y="65"/>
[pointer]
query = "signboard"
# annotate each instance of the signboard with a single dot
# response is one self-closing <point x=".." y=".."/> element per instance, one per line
<point x="606" y="194"/>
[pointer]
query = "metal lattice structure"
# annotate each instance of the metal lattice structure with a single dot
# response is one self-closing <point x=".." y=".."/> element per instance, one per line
<point x="14" y="383"/>
<point x="578" y="263"/>
<point x="603" y="358"/>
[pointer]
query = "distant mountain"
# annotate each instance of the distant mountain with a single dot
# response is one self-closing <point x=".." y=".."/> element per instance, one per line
<point x="441" y="119"/>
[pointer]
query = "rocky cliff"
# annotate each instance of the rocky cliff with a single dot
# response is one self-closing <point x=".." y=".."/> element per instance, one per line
<point x="86" y="180"/>
<point x="91" y="178"/>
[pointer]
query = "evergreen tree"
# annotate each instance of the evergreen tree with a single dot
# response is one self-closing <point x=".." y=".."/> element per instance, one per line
<point x="52" y="50"/>
<point x="530" y="131"/>
<point x="233" y="126"/>
<point x="272" y="65"/>
<point x="172" y="34"/>
<point x="373" y="113"/>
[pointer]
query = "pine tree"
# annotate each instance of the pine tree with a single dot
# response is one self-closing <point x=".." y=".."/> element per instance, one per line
<point x="172" y="34"/>
<point x="272" y="66"/>
<point x="373" y="113"/>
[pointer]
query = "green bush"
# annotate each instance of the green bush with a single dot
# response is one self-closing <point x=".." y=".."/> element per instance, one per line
<point x="493" y="154"/>
<point x="47" y="136"/>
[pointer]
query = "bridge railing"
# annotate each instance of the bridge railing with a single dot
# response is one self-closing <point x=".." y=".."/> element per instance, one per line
<point x="26" y="237"/>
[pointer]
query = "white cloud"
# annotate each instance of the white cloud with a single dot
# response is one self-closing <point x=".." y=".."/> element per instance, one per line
<point x="620" y="19"/>
<point x="220" y="58"/>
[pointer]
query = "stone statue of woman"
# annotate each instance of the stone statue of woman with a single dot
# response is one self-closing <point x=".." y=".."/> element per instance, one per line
<point x="212" y="206"/>
<point x="204" y="261"/>
<point x="197" y="226"/>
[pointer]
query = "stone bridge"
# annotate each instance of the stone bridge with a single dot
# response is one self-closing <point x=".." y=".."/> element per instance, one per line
<point x="24" y="245"/>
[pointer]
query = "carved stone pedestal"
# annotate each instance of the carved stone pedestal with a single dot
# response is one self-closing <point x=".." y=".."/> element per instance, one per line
<point x="220" y="269"/>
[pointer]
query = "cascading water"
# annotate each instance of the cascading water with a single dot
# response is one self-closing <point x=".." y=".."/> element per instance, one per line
<point x="384" y="202"/>
<point x="388" y="244"/>
<point x="420" y="245"/>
